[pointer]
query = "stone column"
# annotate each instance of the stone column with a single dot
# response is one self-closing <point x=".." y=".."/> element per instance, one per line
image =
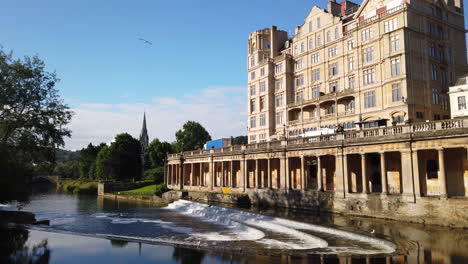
<point x="257" y="172"/>
<point x="319" y="174"/>
<point x="416" y="179"/>
<point x="191" y="175"/>
<point x="223" y="182"/>
<point x="339" y="184"/>
<point x="282" y="173"/>
<point x="242" y="172"/>
<point x="201" y="179"/>
<point x="303" y="173"/>
<point x="211" y="173"/>
<point x="365" y="181"/>
<point x="407" y="174"/>
<point x="383" y="172"/>
<point x="244" y="169"/>
<point x="345" y="173"/>
<point x="269" y="173"/>
<point x="231" y="182"/>
<point x="181" y="173"/>
<point x="441" y="175"/>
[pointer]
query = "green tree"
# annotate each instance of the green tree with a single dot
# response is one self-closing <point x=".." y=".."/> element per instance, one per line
<point x="192" y="136"/>
<point x="33" y="119"/>
<point x="69" y="169"/>
<point x="88" y="159"/>
<point x="240" y="140"/>
<point x="121" y="161"/>
<point x="157" y="152"/>
<point x="103" y="166"/>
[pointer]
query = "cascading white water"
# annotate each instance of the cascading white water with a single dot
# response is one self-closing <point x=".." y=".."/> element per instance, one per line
<point x="212" y="224"/>
<point x="287" y="228"/>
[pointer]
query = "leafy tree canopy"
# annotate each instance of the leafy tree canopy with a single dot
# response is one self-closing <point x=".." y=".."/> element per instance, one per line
<point x="240" y="140"/>
<point x="192" y="136"/>
<point x="156" y="153"/>
<point x="121" y="161"/>
<point x="32" y="115"/>
<point x="87" y="160"/>
<point x="33" y="119"/>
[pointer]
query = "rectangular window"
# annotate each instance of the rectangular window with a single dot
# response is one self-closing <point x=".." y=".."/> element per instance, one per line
<point x="337" y="33"/>
<point x="252" y="61"/>
<point x="432" y="50"/>
<point x="332" y="52"/>
<point x="441" y="54"/>
<point x="315" y="58"/>
<point x="350" y="44"/>
<point x="318" y="22"/>
<point x="279" y="84"/>
<point x="367" y="34"/>
<point x="279" y="68"/>
<point x="253" y="90"/>
<point x="279" y="100"/>
<point x="434" y="72"/>
<point x="350" y="64"/>
<point x="300" y="97"/>
<point x="252" y="76"/>
<point x="302" y="47"/>
<point x="262" y="86"/>
<point x="252" y="138"/>
<point x="262" y="120"/>
<point x="394" y="43"/>
<point x="369" y="76"/>
<point x="262" y="71"/>
<point x="419" y="115"/>
<point x="333" y="87"/>
<point x="252" y="105"/>
<point x="435" y="96"/>
<point x="311" y="44"/>
<point x="299" y="64"/>
<point x="280" y="118"/>
<point x="300" y="80"/>
<point x="351" y="82"/>
<point x="431" y="29"/>
<point x="440" y="33"/>
<point x="262" y="137"/>
<point x="333" y="69"/>
<point x="319" y="40"/>
<point x="253" y="122"/>
<point x="395" y="67"/>
<point x="310" y="26"/>
<point x="328" y="36"/>
<point x="368" y="55"/>
<point x="262" y="103"/>
<point x="390" y="25"/>
<point x="443" y="77"/>
<point x="315" y="75"/>
<point x="461" y="102"/>
<point x="369" y="99"/>
<point x="444" y="102"/>
<point x="315" y="92"/>
<point x="396" y="92"/>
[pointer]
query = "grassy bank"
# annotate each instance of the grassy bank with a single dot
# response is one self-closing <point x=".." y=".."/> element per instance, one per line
<point x="79" y="187"/>
<point x="146" y="191"/>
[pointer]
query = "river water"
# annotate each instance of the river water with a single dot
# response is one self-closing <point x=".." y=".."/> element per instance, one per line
<point x="89" y="229"/>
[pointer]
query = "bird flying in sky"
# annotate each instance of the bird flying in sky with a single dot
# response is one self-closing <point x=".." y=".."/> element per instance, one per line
<point x="146" y="41"/>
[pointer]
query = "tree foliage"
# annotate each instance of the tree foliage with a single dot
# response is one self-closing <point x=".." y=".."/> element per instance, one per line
<point x="87" y="160"/>
<point x="192" y="136"/>
<point x="121" y="161"/>
<point x="240" y="140"/>
<point x="33" y="119"/>
<point x="157" y="152"/>
<point x="32" y="115"/>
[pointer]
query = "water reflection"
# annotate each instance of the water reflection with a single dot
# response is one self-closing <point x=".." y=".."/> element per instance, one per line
<point x="416" y="243"/>
<point x="14" y="249"/>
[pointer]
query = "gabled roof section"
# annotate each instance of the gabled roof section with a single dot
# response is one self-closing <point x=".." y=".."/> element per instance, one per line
<point x="384" y="3"/>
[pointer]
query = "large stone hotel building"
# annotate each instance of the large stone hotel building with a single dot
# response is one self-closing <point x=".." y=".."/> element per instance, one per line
<point x="382" y="63"/>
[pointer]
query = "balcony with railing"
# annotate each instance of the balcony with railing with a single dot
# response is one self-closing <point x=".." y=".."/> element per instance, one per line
<point x="442" y="128"/>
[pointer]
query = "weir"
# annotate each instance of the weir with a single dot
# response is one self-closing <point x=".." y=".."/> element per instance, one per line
<point x="415" y="172"/>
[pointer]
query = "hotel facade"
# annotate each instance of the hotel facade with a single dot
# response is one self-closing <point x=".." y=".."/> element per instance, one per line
<point x="382" y="63"/>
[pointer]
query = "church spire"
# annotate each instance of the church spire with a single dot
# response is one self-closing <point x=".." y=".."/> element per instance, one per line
<point x="144" y="140"/>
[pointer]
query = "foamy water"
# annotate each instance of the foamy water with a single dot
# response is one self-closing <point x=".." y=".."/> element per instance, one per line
<point x="204" y="223"/>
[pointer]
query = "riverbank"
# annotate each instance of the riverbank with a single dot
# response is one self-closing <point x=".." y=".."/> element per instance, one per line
<point x="79" y="187"/>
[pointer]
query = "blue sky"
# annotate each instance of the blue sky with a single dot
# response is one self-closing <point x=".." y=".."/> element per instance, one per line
<point x="195" y="69"/>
